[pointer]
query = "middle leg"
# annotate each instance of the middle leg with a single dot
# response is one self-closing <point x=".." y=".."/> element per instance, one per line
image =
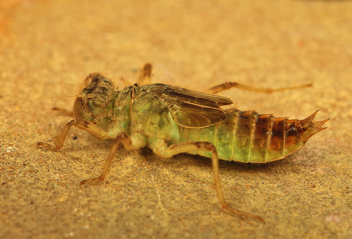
<point x="122" y="138"/>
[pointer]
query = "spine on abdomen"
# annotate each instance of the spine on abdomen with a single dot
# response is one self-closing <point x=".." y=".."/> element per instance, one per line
<point x="247" y="136"/>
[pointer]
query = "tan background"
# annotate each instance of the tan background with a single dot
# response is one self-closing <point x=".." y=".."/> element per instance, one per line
<point x="48" y="47"/>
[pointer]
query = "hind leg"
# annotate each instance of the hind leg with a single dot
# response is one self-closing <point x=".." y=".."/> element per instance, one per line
<point x="229" y="85"/>
<point x="160" y="148"/>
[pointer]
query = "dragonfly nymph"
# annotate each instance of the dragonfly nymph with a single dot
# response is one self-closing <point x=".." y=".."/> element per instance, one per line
<point x="171" y="120"/>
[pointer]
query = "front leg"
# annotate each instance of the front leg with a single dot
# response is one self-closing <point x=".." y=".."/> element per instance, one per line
<point x="160" y="148"/>
<point x="90" y="127"/>
<point x="136" y="142"/>
<point x="95" y="130"/>
<point x="60" y="141"/>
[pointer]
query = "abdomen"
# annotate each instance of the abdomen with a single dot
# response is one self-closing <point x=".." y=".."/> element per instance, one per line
<point x="247" y="136"/>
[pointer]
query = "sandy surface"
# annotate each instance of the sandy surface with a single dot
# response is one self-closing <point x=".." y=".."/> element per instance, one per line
<point x="47" y="48"/>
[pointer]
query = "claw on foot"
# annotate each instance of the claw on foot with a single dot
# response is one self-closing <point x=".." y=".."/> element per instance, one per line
<point x="46" y="146"/>
<point x="90" y="182"/>
<point x="242" y="215"/>
<point x="63" y="111"/>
